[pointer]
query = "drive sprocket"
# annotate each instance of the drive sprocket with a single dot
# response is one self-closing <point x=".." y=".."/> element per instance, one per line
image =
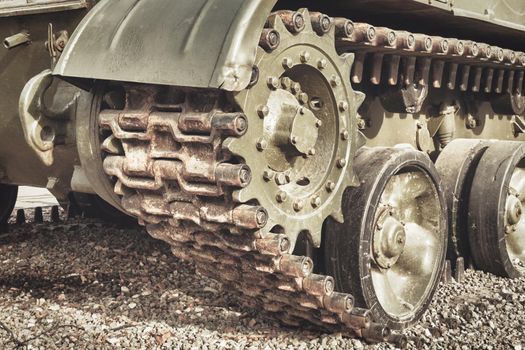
<point x="302" y="134"/>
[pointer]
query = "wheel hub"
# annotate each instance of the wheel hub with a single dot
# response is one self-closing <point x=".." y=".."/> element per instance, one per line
<point x="514" y="209"/>
<point x="389" y="239"/>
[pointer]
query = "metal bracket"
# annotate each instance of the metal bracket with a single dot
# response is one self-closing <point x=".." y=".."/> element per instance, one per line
<point x="44" y="128"/>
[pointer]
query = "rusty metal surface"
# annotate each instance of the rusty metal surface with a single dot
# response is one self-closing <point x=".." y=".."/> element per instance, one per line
<point x="214" y="40"/>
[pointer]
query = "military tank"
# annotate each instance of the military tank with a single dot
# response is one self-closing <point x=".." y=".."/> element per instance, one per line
<point x="323" y="159"/>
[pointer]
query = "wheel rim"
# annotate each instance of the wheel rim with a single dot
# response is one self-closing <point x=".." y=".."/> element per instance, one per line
<point x="515" y="220"/>
<point x="404" y="242"/>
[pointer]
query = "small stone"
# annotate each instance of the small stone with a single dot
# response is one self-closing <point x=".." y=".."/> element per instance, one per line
<point x="124" y="289"/>
<point x="132" y="305"/>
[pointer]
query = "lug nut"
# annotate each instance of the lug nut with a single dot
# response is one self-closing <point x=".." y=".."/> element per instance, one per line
<point x="298" y="205"/>
<point x="322" y="64"/>
<point x="345" y="135"/>
<point x="330" y="186"/>
<point x="261" y="144"/>
<point x="273" y="83"/>
<point x="281" y="196"/>
<point x="361" y="124"/>
<point x="263" y="111"/>
<point x="316" y="202"/>
<point x="286" y="83"/>
<point x="341" y="163"/>
<point x="311" y="152"/>
<point x="318" y="123"/>
<point x="343" y="106"/>
<point x="305" y="56"/>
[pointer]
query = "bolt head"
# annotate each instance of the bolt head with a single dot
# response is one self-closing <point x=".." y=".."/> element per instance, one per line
<point x="343" y="106"/>
<point x="341" y="163"/>
<point x="322" y="64"/>
<point x="261" y="144"/>
<point x="312" y="152"/>
<point x="361" y="124"/>
<point x="303" y="98"/>
<point x="305" y="56"/>
<point x="298" y="205"/>
<point x="287" y="63"/>
<point x="330" y="186"/>
<point x="335" y="81"/>
<point x="273" y="83"/>
<point x="281" y="196"/>
<point x="268" y="175"/>
<point x="294" y="140"/>
<point x="296" y="88"/>
<point x="263" y="111"/>
<point x="318" y="123"/>
<point x="281" y="179"/>
<point x="316" y="202"/>
<point x="345" y="135"/>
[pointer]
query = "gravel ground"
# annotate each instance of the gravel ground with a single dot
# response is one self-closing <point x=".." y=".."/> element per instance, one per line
<point x="86" y="285"/>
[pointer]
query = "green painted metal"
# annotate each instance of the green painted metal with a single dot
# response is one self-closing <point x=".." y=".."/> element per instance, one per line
<point x="199" y="43"/>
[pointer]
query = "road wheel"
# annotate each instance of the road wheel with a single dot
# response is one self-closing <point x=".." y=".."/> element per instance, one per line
<point x="390" y="251"/>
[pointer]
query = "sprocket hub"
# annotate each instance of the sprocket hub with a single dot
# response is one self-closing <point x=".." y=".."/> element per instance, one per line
<point x="302" y="136"/>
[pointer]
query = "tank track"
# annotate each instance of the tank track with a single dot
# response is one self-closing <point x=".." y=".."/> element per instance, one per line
<point x="169" y="166"/>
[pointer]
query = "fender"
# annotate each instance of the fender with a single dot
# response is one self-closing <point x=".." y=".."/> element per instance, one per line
<point x="195" y="43"/>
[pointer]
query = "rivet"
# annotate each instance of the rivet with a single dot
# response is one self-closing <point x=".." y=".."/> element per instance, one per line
<point x="263" y="111"/>
<point x="343" y="106"/>
<point x="316" y="202"/>
<point x="330" y="186"/>
<point x="318" y="123"/>
<point x="311" y="152"/>
<point x="345" y="135"/>
<point x="273" y="83"/>
<point x="305" y="56"/>
<point x="294" y="140"/>
<point x="301" y="111"/>
<point x="261" y="144"/>
<point x="341" y="163"/>
<point x="287" y="63"/>
<point x="298" y="205"/>
<point x="286" y="83"/>
<point x="322" y="63"/>
<point x="281" y="196"/>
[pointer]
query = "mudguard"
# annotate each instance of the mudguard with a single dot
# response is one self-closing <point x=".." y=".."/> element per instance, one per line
<point x="196" y="43"/>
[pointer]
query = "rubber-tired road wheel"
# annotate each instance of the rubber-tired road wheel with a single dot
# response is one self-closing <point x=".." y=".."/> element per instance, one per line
<point x="456" y="166"/>
<point x="8" y="195"/>
<point x="496" y="220"/>
<point x="390" y="251"/>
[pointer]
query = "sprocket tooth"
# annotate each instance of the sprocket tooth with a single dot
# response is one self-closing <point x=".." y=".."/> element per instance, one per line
<point x="347" y="59"/>
<point x="243" y="195"/>
<point x="275" y="22"/>
<point x="338" y="216"/>
<point x="307" y="23"/>
<point x="361" y="139"/>
<point x="359" y="98"/>
<point x="315" y="236"/>
<point x="233" y="145"/>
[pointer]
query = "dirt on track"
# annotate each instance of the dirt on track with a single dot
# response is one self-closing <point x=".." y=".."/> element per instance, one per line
<point x="89" y="285"/>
